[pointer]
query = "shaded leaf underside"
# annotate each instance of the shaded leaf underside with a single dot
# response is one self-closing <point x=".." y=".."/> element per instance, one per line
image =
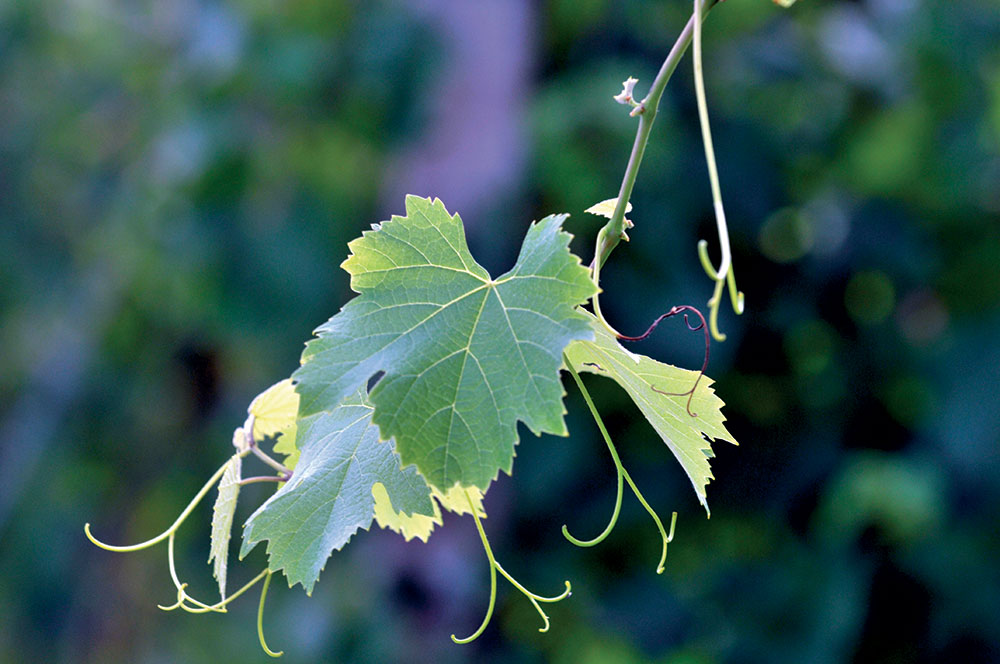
<point x="329" y="497"/>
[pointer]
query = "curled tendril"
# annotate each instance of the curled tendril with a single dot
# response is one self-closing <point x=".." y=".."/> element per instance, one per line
<point x="535" y="599"/>
<point x="496" y="567"/>
<point x="182" y="597"/>
<point x="185" y="601"/>
<point x="169" y="531"/>
<point x="736" y="297"/>
<point x="665" y="537"/>
<point x="694" y="328"/>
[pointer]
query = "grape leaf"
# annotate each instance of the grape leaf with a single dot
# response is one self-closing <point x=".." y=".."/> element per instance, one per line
<point x="689" y="438"/>
<point x="420" y="526"/>
<point x="465" y="356"/>
<point x="275" y="411"/>
<point x="222" y="519"/>
<point x="329" y="496"/>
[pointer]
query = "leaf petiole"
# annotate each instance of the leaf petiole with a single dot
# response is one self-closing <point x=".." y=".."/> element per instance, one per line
<point x="251" y="443"/>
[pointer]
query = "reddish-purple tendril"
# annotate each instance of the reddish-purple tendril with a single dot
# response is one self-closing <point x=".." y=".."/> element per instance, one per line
<point x="700" y="326"/>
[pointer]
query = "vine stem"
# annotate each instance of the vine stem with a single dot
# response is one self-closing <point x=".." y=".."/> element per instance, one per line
<point x="612" y="232"/>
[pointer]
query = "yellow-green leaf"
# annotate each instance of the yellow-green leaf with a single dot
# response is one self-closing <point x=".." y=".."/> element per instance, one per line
<point x="607" y="209"/>
<point x="420" y="526"/>
<point x="275" y="411"/>
<point x="646" y="381"/>
<point x="222" y="519"/>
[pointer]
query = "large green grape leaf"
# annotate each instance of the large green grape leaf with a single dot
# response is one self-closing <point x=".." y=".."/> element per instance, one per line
<point x="222" y="519"/>
<point x="329" y="496"/>
<point x="464" y="356"/>
<point x="689" y="438"/>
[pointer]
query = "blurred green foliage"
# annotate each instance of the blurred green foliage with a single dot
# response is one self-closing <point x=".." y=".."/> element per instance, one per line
<point x="177" y="185"/>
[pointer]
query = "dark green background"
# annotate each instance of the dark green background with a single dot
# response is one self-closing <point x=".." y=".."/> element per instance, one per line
<point x="177" y="184"/>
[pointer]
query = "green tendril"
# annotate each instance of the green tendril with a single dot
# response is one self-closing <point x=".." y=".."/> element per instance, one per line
<point x="260" y="617"/>
<point x="496" y="567"/>
<point x="713" y="312"/>
<point x="619" y="469"/>
<point x="725" y="272"/>
<point x="183" y="599"/>
<point x="535" y="599"/>
<point x="180" y="600"/>
<point x="493" y="577"/>
<point x="182" y="596"/>
<point x="666" y="538"/>
<point x="169" y="531"/>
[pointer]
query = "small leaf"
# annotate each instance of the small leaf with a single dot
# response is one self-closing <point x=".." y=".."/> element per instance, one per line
<point x="275" y="411"/>
<point x="454" y="500"/>
<point x="465" y="357"/>
<point x="607" y="209"/>
<point x="420" y="526"/>
<point x="687" y="437"/>
<point x="329" y="496"/>
<point x="222" y="519"/>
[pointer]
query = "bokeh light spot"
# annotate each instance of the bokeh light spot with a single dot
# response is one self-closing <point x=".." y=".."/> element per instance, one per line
<point x="786" y="236"/>
<point x="809" y="346"/>
<point x="870" y="297"/>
